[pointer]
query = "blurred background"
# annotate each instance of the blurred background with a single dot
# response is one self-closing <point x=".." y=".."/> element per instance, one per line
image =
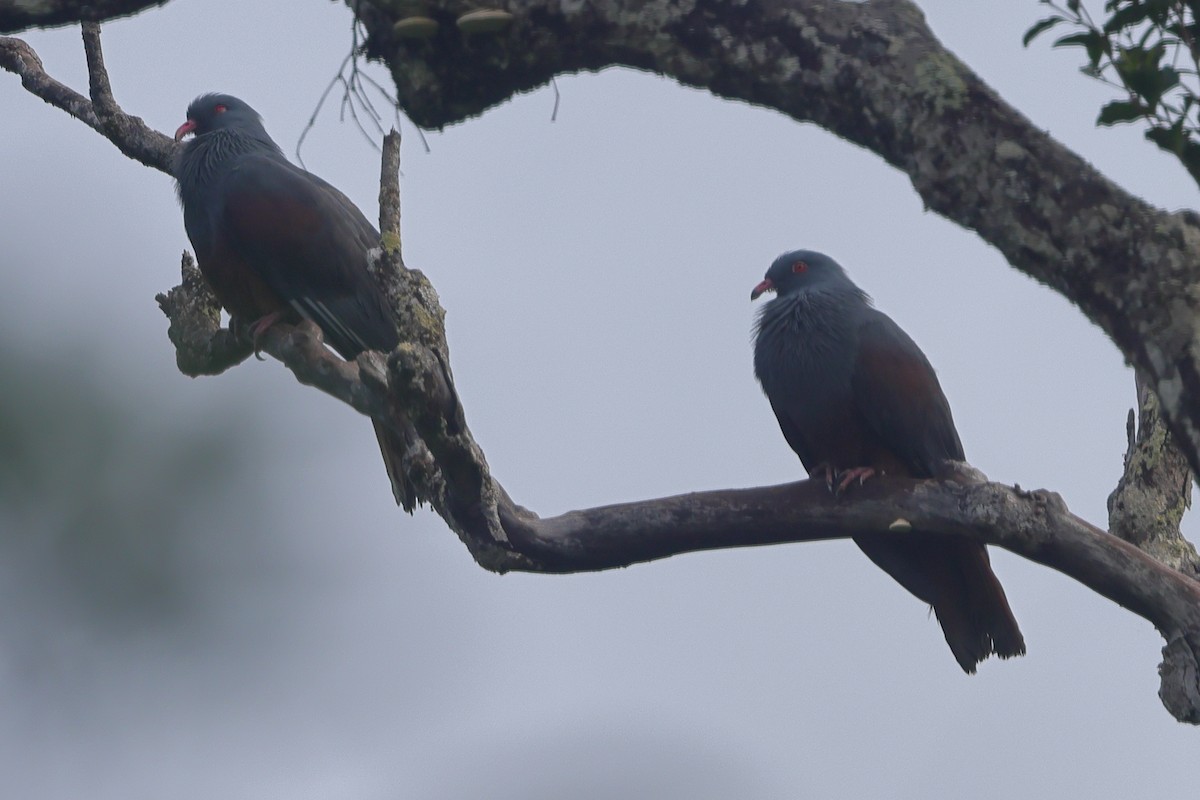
<point x="206" y="591"/>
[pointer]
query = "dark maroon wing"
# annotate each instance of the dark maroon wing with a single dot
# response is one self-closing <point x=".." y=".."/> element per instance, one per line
<point x="898" y="394"/>
<point x="308" y="243"/>
<point x="792" y="433"/>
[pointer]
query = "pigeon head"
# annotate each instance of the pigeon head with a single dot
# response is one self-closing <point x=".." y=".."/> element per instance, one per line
<point x="223" y="129"/>
<point x="221" y="112"/>
<point x="802" y="271"/>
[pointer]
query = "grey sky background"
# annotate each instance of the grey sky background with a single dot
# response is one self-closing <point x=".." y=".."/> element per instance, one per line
<point x="595" y="272"/>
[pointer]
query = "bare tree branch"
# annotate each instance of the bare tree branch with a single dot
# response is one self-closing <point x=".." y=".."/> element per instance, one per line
<point x="202" y="346"/>
<point x="503" y="536"/>
<point x="101" y="113"/>
<point x="17" y="15"/>
<point x="130" y="134"/>
<point x="389" y="191"/>
<point x="19" y="58"/>
<point x="1036" y="524"/>
<point x="873" y="73"/>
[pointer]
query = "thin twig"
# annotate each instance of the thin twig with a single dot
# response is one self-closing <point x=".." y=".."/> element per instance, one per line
<point x="356" y="95"/>
<point x="389" y="188"/>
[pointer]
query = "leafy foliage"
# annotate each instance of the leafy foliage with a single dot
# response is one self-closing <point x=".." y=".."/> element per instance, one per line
<point x="1150" y="50"/>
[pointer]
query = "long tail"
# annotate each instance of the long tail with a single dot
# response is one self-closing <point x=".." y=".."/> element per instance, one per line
<point x="955" y="577"/>
<point x="393" y="447"/>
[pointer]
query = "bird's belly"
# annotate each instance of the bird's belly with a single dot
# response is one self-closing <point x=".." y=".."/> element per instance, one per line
<point x="238" y="288"/>
<point x="836" y="434"/>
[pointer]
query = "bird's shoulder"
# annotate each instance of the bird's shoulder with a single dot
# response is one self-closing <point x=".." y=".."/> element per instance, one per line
<point x="879" y="337"/>
<point x="897" y="391"/>
<point x="266" y="173"/>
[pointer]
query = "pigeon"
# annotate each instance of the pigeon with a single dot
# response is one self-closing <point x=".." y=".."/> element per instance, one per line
<point x="855" y="397"/>
<point x="278" y="243"/>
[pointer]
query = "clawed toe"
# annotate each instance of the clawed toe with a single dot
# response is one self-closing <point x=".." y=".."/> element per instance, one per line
<point x="823" y="472"/>
<point x="853" y="474"/>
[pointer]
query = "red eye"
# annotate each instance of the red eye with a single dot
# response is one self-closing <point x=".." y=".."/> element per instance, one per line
<point x="219" y="109"/>
<point x="799" y="266"/>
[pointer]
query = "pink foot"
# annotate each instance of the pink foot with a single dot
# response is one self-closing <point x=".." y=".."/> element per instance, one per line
<point x="259" y="327"/>
<point x="853" y="474"/>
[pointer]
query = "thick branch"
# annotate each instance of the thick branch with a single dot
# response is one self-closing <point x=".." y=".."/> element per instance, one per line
<point x="503" y="536"/>
<point x="202" y="346"/>
<point x="874" y="74"/>
<point x="1036" y="525"/>
<point x="17" y="15"/>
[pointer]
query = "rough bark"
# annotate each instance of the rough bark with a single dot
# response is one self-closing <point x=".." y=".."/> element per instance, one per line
<point x="17" y="15"/>
<point x="1155" y="489"/>
<point x="874" y="74"/>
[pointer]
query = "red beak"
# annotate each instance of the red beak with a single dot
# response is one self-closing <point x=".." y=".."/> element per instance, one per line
<point x="184" y="129"/>
<point x="765" y="286"/>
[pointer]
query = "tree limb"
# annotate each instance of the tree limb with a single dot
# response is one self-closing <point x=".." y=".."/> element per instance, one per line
<point x="100" y="113"/>
<point x="502" y="536"/>
<point x="1034" y="524"/>
<point x="873" y="73"/>
<point x="130" y="134"/>
<point x="17" y="15"/>
<point x="20" y="59"/>
<point x="202" y="346"/>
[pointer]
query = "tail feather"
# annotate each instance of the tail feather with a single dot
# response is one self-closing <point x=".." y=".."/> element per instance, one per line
<point x="987" y="599"/>
<point x="393" y="447"/>
<point x="955" y="577"/>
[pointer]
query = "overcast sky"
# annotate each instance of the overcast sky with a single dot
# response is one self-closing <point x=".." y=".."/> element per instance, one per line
<point x="595" y="272"/>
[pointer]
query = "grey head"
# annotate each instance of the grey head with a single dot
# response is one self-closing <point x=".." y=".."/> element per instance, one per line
<point x="803" y="271"/>
<point x="223" y="128"/>
<point x="806" y="336"/>
<point x="211" y="113"/>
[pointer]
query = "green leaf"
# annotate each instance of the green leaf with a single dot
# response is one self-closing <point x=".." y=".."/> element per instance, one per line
<point x="1042" y="25"/>
<point x="1191" y="159"/>
<point x="1080" y="39"/>
<point x="1121" y="111"/>
<point x="1168" y="79"/>
<point x="1140" y="72"/>
<point x="1170" y="138"/>
<point x="1159" y="11"/>
<point x="1092" y="41"/>
<point x="1126" y="17"/>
